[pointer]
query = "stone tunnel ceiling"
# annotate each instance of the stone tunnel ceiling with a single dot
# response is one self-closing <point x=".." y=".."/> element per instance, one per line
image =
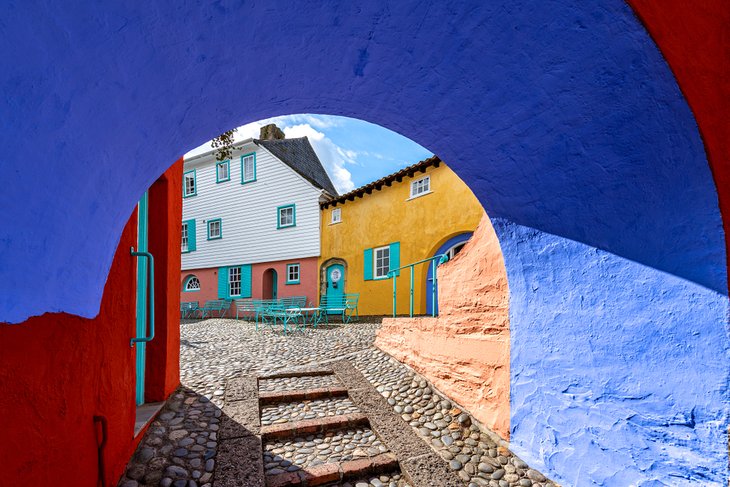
<point x="561" y="116"/>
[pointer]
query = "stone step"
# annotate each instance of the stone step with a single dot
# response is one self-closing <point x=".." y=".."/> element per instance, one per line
<point x="296" y="373"/>
<point x="330" y="474"/>
<point x="296" y="381"/>
<point x="287" y="412"/>
<point x="275" y="397"/>
<point x="313" y="426"/>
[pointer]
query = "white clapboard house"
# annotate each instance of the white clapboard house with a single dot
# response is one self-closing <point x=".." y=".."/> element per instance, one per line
<point x="251" y="223"/>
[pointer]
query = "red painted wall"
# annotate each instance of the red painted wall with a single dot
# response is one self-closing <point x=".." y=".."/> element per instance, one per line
<point x="57" y="371"/>
<point x="694" y="38"/>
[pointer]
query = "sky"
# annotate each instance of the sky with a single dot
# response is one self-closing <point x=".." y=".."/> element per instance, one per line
<point x="352" y="151"/>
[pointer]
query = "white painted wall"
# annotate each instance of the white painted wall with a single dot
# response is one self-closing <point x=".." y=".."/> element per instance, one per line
<point x="249" y="213"/>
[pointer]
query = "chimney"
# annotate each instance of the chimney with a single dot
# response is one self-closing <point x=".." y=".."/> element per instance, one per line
<point x="271" y="132"/>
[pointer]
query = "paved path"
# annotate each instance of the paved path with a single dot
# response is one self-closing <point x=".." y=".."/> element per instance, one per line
<point x="182" y="445"/>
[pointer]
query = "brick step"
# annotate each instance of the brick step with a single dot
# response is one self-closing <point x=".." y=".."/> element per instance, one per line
<point x="272" y="397"/>
<point x="296" y="373"/>
<point x="313" y="426"/>
<point x="327" y="473"/>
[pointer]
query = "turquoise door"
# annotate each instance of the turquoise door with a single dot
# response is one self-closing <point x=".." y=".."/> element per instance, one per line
<point x="335" y="283"/>
<point x="274" y="285"/>
<point x="142" y="304"/>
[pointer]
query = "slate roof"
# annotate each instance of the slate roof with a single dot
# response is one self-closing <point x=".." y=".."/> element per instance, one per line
<point x="300" y="156"/>
<point x="388" y="180"/>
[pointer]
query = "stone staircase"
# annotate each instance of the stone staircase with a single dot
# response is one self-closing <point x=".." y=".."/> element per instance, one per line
<point x="320" y="428"/>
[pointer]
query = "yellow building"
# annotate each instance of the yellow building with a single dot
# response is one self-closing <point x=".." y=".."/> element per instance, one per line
<point x="416" y="213"/>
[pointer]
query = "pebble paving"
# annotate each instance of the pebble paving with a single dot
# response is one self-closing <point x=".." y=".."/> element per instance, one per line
<point x="298" y="383"/>
<point x="180" y="446"/>
<point x="298" y="411"/>
<point x="388" y="480"/>
<point x="330" y="447"/>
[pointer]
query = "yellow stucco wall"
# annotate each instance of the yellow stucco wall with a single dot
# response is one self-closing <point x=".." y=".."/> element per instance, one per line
<point x="421" y="225"/>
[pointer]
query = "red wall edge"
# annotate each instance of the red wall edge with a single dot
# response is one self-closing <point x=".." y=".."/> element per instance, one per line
<point x="57" y="371"/>
<point x="694" y="38"/>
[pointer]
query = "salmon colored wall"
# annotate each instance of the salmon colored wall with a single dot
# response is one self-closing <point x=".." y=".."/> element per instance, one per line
<point x="465" y="352"/>
<point x="307" y="282"/>
<point x="209" y="281"/>
<point x="57" y="371"/>
<point x="420" y="225"/>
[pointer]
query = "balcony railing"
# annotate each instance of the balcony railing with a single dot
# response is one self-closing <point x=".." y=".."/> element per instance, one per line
<point x="434" y="262"/>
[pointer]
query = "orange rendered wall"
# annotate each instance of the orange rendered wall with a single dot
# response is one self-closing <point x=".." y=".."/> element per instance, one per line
<point x="465" y="351"/>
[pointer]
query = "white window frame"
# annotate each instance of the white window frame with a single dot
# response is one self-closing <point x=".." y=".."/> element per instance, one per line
<point x="234" y="279"/>
<point x="280" y="222"/>
<point x="184" y="238"/>
<point x="190" y="175"/>
<point x="252" y="158"/>
<point x="336" y="216"/>
<point x="189" y="280"/>
<point x="376" y="267"/>
<point x="417" y="187"/>
<point x="220" y="229"/>
<point x="293" y="269"/>
<point x="221" y="165"/>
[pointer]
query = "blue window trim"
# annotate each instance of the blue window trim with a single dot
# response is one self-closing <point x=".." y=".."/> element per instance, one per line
<point x="293" y="206"/>
<point x="227" y="162"/>
<point x="243" y="172"/>
<point x="299" y="273"/>
<point x="195" y="183"/>
<point x="207" y="226"/>
<point x="185" y="284"/>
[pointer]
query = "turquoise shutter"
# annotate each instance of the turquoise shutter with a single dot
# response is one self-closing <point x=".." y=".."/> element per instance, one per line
<point x="223" y="283"/>
<point x="191" y="235"/>
<point x="395" y="257"/>
<point x="368" y="259"/>
<point x="246" y="281"/>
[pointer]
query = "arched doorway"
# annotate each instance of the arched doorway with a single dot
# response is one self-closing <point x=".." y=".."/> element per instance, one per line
<point x="270" y="283"/>
<point x="450" y="248"/>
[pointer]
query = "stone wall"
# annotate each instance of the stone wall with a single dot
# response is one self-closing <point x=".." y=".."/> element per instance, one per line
<point x="465" y="351"/>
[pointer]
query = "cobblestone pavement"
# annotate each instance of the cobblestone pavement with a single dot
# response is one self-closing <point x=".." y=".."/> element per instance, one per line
<point x="180" y="446"/>
<point x="297" y="411"/>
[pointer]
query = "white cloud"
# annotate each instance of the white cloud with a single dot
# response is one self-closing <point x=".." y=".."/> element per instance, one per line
<point x="334" y="158"/>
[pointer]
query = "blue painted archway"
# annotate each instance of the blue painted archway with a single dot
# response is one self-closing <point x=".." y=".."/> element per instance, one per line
<point x="561" y="116"/>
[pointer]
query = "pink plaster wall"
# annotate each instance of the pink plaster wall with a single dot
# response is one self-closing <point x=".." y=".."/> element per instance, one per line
<point x="209" y="281"/>
<point x="465" y="351"/>
<point x="307" y="281"/>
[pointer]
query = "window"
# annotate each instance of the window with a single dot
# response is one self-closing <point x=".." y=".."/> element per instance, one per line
<point x="336" y="215"/>
<point x="287" y="216"/>
<point x="234" y="281"/>
<point x="184" y="238"/>
<point x="223" y="171"/>
<point x="214" y="229"/>
<point x="420" y="186"/>
<point x="189" y="186"/>
<point x="248" y="168"/>
<point x="292" y="273"/>
<point x="192" y="283"/>
<point x="381" y="262"/>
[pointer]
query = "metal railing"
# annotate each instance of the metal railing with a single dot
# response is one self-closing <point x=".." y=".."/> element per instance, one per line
<point x="435" y="261"/>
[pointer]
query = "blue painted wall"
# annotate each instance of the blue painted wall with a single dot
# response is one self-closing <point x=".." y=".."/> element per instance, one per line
<point x="561" y="116"/>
